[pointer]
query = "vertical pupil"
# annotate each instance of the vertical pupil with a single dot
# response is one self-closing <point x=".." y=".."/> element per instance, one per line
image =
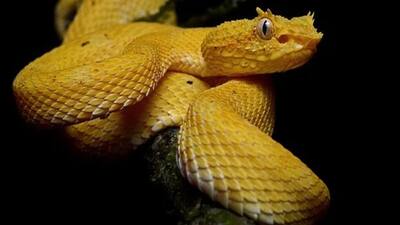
<point x="264" y="28"/>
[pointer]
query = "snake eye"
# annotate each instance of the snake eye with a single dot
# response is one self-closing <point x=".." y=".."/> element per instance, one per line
<point x="264" y="29"/>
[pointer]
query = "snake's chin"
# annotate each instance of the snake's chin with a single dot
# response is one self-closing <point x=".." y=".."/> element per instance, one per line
<point x="299" y="58"/>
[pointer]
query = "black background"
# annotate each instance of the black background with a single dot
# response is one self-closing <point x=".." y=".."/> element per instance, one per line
<point x="44" y="180"/>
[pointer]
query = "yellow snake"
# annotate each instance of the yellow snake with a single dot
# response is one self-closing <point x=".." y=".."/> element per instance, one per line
<point x="114" y="84"/>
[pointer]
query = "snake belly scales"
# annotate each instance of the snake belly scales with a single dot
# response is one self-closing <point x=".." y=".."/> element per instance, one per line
<point x="114" y="83"/>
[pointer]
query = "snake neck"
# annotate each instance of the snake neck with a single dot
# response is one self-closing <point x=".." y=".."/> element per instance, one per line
<point x="180" y="48"/>
<point x="185" y="50"/>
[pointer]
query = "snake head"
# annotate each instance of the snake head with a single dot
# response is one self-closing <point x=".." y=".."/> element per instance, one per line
<point x="266" y="44"/>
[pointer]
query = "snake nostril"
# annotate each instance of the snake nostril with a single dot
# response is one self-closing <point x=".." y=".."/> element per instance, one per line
<point x="283" y="39"/>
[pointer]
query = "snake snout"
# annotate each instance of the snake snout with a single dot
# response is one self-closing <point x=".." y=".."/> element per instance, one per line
<point x="301" y="42"/>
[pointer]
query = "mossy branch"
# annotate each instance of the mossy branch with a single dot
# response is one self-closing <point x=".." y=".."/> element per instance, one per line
<point x="184" y="202"/>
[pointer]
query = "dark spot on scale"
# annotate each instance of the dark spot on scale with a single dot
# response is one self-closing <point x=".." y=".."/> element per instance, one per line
<point x="189" y="82"/>
<point x="104" y="116"/>
<point x="93" y="3"/>
<point x="85" y="43"/>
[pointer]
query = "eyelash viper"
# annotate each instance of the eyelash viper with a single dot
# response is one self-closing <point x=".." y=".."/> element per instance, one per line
<point x="114" y="84"/>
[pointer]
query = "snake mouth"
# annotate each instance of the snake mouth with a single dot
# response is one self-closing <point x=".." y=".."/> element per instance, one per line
<point x="291" y="51"/>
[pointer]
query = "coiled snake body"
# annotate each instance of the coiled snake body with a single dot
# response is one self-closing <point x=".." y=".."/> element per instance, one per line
<point x="117" y="86"/>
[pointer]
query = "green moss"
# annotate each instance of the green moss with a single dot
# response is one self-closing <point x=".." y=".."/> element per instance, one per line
<point x="182" y="201"/>
<point x="165" y="15"/>
<point x="216" y="216"/>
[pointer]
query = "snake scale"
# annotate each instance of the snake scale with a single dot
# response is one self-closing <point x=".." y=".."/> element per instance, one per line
<point x="114" y="83"/>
